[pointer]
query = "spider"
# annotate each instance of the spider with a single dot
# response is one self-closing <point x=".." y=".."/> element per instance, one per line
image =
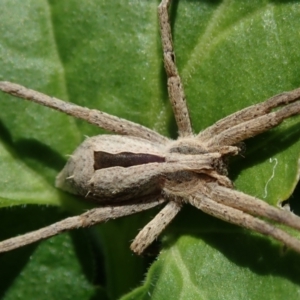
<point x="138" y="169"/>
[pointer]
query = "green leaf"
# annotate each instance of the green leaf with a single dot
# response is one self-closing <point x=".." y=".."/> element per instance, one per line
<point x="107" y="55"/>
<point x="206" y="268"/>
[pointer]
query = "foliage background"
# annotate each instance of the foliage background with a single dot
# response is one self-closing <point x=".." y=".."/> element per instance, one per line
<point x="107" y="55"/>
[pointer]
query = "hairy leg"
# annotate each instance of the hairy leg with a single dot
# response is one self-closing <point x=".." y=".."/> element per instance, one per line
<point x="251" y="128"/>
<point x="152" y="230"/>
<point x="95" y="117"/>
<point x="175" y="87"/>
<point x="87" y="219"/>
<point x="250" y="113"/>
<point x="251" y="205"/>
<point x="242" y="219"/>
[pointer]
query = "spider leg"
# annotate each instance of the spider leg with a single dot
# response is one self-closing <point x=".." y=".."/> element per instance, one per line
<point x="243" y="131"/>
<point x="87" y="219"/>
<point x="95" y="117"/>
<point x="152" y="230"/>
<point x="249" y="113"/>
<point x="251" y="205"/>
<point x="175" y="87"/>
<point x="242" y="219"/>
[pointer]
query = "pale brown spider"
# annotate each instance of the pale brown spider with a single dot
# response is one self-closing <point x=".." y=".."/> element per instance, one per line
<point x="139" y="169"/>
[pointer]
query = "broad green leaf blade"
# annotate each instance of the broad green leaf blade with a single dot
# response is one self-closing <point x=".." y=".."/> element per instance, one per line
<point x="205" y="268"/>
<point x="28" y="188"/>
<point x="107" y="55"/>
<point x="205" y="258"/>
<point x="63" y="267"/>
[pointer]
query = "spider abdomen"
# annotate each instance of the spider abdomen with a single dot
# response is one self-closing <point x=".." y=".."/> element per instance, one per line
<point x="103" y="168"/>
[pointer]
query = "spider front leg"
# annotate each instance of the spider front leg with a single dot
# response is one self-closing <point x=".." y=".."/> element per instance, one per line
<point x="251" y="121"/>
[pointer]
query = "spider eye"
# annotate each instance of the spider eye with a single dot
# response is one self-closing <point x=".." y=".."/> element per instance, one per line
<point x="104" y="160"/>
